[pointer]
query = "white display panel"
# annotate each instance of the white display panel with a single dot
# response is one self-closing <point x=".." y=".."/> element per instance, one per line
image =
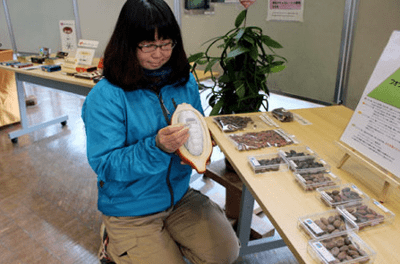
<point x="374" y="129"/>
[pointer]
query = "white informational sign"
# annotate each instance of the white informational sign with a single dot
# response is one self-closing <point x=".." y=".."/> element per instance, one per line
<point x="374" y="129"/>
<point x="68" y="35"/>
<point x="84" y="43"/>
<point x="288" y="10"/>
<point x="85" y="52"/>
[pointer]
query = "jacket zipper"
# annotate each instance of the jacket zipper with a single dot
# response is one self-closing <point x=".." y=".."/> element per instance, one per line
<point x="166" y="113"/>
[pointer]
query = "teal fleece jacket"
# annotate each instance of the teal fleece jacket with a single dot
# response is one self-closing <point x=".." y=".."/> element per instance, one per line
<point x="134" y="176"/>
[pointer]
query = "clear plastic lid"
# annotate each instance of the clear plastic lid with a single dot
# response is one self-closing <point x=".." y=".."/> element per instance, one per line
<point x="309" y="163"/>
<point x="296" y="152"/>
<point x="341" y="248"/>
<point x="310" y="181"/>
<point x="367" y="214"/>
<point x="325" y="224"/>
<point x="267" y="163"/>
<point x="341" y="194"/>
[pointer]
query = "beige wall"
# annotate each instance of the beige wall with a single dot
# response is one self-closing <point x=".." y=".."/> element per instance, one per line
<point x="4" y="35"/>
<point x="311" y="47"/>
<point x="376" y="22"/>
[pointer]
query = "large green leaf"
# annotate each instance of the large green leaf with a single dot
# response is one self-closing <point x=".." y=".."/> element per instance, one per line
<point x="217" y="107"/>
<point x="240" y="18"/>
<point x="249" y="39"/>
<point x="254" y="53"/>
<point x="270" y="42"/>
<point x="195" y="57"/>
<point x="278" y="68"/>
<point x="201" y="61"/>
<point x="210" y="65"/>
<point x="224" y="78"/>
<point x="277" y="63"/>
<point x="239" y="34"/>
<point x="240" y="89"/>
<point x="236" y="52"/>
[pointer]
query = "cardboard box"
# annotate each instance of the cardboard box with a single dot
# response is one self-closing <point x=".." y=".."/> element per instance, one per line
<point x="9" y="108"/>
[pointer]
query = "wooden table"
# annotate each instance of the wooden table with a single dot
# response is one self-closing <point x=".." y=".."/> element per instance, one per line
<point x="55" y="80"/>
<point x="284" y="201"/>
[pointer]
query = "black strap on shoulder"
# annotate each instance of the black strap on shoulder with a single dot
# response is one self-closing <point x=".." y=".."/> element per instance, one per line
<point x="173" y="102"/>
<point x="164" y="109"/>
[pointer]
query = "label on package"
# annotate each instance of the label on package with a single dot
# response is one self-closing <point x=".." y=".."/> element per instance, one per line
<point x="347" y="214"/>
<point x="332" y="175"/>
<point x="326" y="196"/>
<point x="325" y="254"/>
<point x="254" y="162"/>
<point x="356" y="190"/>
<point x="301" y="178"/>
<point x="313" y="226"/>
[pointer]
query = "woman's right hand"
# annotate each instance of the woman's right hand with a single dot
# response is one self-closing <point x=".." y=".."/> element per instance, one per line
<point x="171" y="138"/>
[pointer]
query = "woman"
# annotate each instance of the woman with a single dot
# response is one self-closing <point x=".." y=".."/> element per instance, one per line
<point x="149" y="212"/>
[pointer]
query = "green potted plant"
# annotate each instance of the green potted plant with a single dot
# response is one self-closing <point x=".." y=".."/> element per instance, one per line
<point x="245" y="63"/>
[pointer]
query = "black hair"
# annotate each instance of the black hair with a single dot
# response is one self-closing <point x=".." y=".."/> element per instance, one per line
<point x="137" y="22"/>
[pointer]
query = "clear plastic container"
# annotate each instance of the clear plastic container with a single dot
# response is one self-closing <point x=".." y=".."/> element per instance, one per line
<point x="308" y="164"/>
<point x="367" y="214"/>
<point x="311" y="181"/>
<point x="296" y="152"/>
<point x="267" y="163"/>
<point x="341" y="194"/>
<point x="325" y="224"/>
<point x="341" y="248"/>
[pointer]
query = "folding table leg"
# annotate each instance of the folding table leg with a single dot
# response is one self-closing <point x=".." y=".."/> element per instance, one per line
<point x="244" y="229"/>
<point x="24" y="119"/>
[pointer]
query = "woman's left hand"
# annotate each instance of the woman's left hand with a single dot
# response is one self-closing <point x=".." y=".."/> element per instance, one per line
<point x="170" y="138"/>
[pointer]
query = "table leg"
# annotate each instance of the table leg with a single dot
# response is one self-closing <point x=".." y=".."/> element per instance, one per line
<point x="244" y="228"/>
<point x="24" y="119"/>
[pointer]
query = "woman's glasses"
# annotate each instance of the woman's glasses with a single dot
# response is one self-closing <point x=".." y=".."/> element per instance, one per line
<point x="152" y="47"/>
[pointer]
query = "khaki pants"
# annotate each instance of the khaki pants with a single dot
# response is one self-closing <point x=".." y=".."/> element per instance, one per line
<point x="196" y="227"/>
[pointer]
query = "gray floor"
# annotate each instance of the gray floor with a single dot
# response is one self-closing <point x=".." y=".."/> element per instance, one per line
<point x="48" y="194"/>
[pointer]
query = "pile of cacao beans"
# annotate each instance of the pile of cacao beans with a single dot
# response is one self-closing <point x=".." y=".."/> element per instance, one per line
<point x="365" y="216"/>
<point x="257" y="140"/>
<point x="232" y="123"/>
<point x="315" y="180"/>
<point x="269" y="164"/>
<point x="343" y="196"/>
<point x="330" y="225"/>
<point x="344" y="249"/>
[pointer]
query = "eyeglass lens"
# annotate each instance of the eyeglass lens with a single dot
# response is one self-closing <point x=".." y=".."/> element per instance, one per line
<point x="153" y="47"/>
